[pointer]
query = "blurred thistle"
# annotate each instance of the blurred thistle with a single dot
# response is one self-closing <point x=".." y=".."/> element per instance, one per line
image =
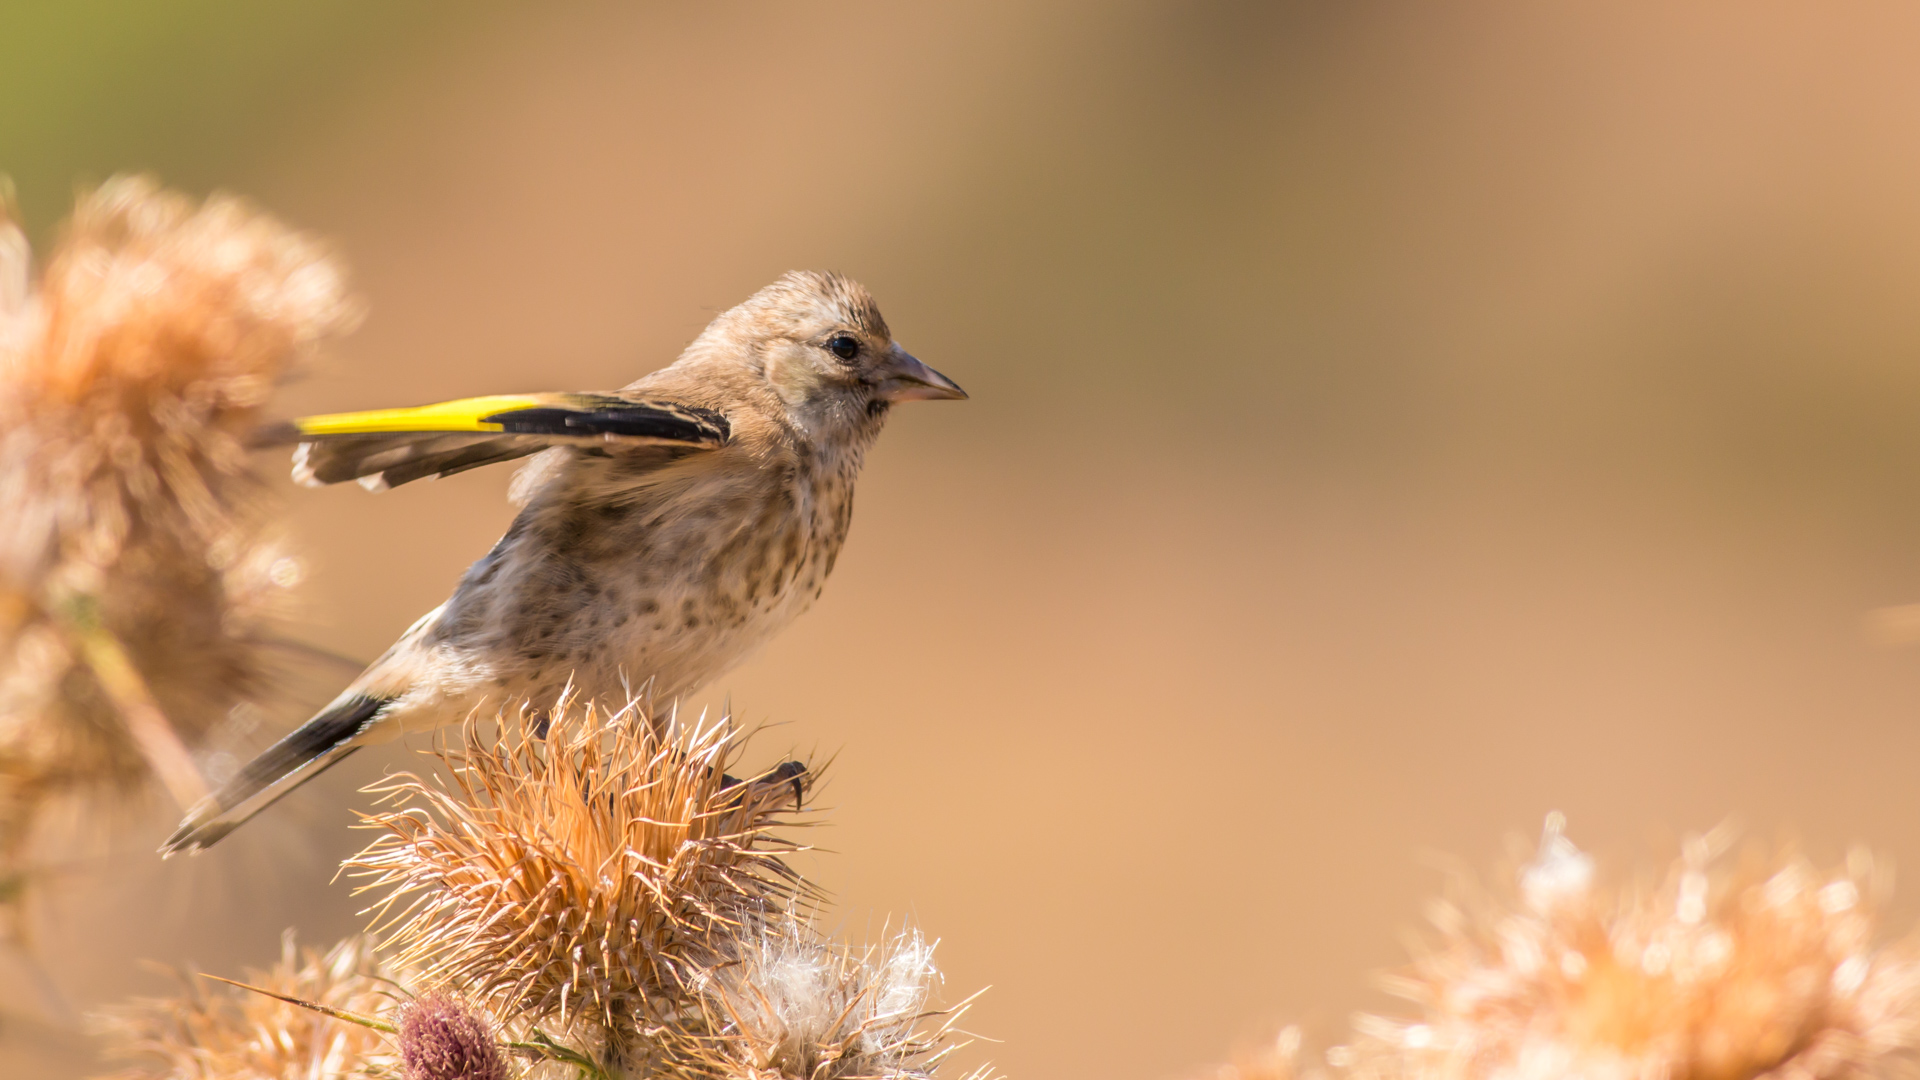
<point x="580" y="869"/>
<point x="232" y="1033"/>
<point x="794" y="1005"/>
<point x="1767" y="968"/>
<point x="1276" y="1059"/>
<point x="442" y="1038"/>
<point x="134" y="579"/>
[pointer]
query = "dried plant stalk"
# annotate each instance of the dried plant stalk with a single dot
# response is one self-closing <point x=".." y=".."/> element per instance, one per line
<point x="225" y="1032"/>
<point x="580" y="869"/>
<point x="134" y="576"/>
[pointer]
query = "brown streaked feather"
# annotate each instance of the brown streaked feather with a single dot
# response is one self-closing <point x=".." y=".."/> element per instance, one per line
<point x="383" y="461"/>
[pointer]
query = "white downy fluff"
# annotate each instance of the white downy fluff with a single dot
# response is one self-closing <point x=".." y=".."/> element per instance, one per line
<point x="807" y="1006"/>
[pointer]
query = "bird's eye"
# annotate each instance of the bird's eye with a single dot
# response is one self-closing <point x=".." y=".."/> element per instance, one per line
<point x="844" y="346"/>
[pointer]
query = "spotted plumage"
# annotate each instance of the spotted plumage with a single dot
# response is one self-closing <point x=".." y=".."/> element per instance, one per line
<point x="665" y="531"/>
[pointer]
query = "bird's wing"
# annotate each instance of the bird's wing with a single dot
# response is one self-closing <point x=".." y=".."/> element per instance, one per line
<point x="388" y="447"/>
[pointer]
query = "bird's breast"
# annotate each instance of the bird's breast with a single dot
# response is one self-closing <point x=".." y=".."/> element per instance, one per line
<point x="672" y="589"/>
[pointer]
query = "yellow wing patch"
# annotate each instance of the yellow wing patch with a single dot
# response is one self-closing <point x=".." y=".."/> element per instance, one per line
<point x="465" y="414"/>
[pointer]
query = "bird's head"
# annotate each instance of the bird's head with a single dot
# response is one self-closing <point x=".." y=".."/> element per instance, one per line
<point x="819" y="342"/>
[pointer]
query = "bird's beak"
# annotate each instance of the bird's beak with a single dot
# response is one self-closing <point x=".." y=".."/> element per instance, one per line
<point x="904" y="378"/>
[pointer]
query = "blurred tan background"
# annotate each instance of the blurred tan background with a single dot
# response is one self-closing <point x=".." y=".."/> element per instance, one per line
<point x="1391" y="423"/>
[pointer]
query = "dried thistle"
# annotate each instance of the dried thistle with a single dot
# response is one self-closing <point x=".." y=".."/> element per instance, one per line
<point x="442" y="1038"/>
<point x="578" y="870"/>
<point x="1717" y="974"/>
<point x="230" y="1033"/>
<point x="794" y="1005"/>
<point x="133" y="577"/>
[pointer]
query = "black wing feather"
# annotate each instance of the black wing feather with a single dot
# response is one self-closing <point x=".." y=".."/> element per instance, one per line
<point x="619" y="417"/>
<point x="389" y="457"/>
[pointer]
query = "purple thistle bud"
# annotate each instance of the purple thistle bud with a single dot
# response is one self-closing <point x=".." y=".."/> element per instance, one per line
<point x="442" y="1039"/>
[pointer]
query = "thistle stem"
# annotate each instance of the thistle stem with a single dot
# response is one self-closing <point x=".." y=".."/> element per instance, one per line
<point x="325" y="1010"/>
<point x="120" y="679"/>
<point x="542" y="1045"/>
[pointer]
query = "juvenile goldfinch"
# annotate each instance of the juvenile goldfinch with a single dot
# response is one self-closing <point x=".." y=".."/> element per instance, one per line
<point x="667" y="529"/>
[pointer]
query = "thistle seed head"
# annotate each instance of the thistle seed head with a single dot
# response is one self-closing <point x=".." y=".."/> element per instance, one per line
<point x="1720" y="973"/>
<point x="580" y="874"/>
<point x="220" y="1032"/>
<point x="128" y="381"/>
<point x="797" y="1005"/>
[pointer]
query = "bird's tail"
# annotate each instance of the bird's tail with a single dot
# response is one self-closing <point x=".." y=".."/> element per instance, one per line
<point x="308" y="751"/>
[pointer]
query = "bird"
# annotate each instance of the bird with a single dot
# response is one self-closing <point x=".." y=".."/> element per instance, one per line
<point x="665" y="530"/>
